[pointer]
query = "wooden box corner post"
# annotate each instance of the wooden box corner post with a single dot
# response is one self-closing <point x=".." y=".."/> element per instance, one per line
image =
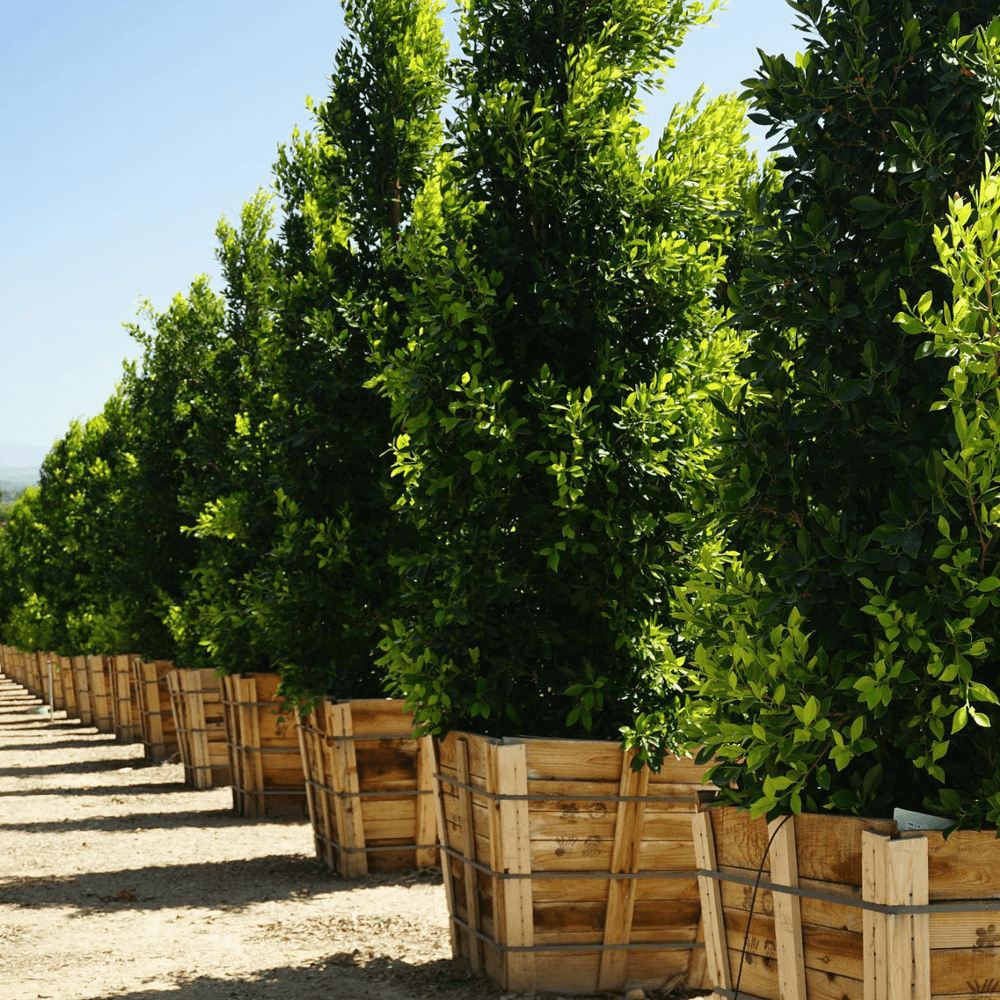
<point x="124" y="699"/>
<point x="369" y="785"/>
<point x="896" y="945"/>
<point x="156" y="718"/>
<point x="196" y="700"/>
<point x="98" y="679"/>
<point x="265" y="759"/>
<point x="81" y="682"/>
<point x="69" y="687"/>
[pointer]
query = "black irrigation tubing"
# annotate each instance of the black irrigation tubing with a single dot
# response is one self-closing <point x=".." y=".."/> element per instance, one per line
<point x="507" y="948"/>
<point x="968" y="906"/>
<point x="500" y="797"/>
<point x="600" y="876"/>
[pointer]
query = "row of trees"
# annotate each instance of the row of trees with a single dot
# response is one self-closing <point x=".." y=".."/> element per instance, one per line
<point x="548" y="432"/>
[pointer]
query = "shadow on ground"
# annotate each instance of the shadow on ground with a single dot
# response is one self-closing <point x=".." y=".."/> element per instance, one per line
<point x="236" y="884"/>
<point x="335" y="977"/>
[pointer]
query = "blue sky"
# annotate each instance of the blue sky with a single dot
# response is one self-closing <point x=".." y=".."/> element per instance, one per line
<point x="130" y="129"/>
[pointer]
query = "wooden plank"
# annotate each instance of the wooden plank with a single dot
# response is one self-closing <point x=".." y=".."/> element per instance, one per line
<point x="907" y="885"/>
<point x="716" y="954"/>
<point x="829" y="847"/>
<point x="874" y="941"/>
<point x="972" y="973"/>
<point x="82" y="685"/>
<point x="510" y="840"/>
<point x="352" y="860"/>
<point x="317" y="800"/>
<point x="466" y="833"/>
<point x="68" y="685"/>
<point x="445" y="859"/>
<point x="613" y="965"/>
<point x="426" y="820"/>
<point x="824" y="949"/>
<point x="964" y="866"/>
<point x="787" y="912"/>
<point x="736" y="896"/>
<point x="252" y="691"/>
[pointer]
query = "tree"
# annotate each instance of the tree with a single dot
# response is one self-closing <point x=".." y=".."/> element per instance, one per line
<point x="549" y="374"/>
<point x="298" y="575"/>
<point x="837" y="673"/>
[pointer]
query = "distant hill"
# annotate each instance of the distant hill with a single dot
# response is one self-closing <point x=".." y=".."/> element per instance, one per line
<point x="15" y="479"/>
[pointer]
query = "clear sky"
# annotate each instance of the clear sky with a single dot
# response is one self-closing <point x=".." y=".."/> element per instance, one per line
<point x="130" y="128"/>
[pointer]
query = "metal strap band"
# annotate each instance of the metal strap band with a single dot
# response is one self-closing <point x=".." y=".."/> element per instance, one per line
<point x="498" y="797"/>
<point x="969" y="906"/>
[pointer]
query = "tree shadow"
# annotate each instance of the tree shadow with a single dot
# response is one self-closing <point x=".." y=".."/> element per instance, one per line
<point x="334" y="977"/>
<point x="157" y="788"/>
<point x="223" y="885"/>
<point x="68" y="745"/>
<point x="219" y="817"/>
<point x="71" y="767"/>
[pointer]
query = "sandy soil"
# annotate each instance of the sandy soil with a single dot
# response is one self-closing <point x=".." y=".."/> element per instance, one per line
<point x="117" y="880"/>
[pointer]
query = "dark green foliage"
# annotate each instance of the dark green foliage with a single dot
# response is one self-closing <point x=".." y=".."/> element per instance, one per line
<point x="833" y="475"/>
<point x="549" y="377"/>
<point x="295" y="573"/>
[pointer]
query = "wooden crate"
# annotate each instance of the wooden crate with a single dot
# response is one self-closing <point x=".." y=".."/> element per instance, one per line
<point x="873" y="915"/>
<point x="199" y="717"/>
<point x="264" y="755"/>
<point x="369" y="787"/>
<point x="99" y="679"/>
<point x="566" y="870"/>
<point x="35" y="683"/>
<point x="156" y="718"/>
<point x="125" y="699"/>
<point x="68" y="687"/>
<point x="81" y="684"/>
<point x="58" y="694"/>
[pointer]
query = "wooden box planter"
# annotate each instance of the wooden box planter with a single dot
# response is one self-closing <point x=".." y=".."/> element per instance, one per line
<point x="125" y="699"/>
<point x="369" y="787"/>
<point x="566" y="870"/>
<point x="873" y="915"/>
<point x="264" y="756"/>
<point x="58" y="694"/>
<point x="81" y="684"/>
<point x="99" y="680"/>
<point x="68" y="687"/>
<point x="199" y="718"/>
<point x="156" y="718"/>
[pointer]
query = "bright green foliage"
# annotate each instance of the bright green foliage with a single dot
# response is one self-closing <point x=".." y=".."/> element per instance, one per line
<point x="296" y="573"/>
<point x="842" y="655"/>
<point x="55" y="546"/>
<point x="549" y="378"/>
<point x="94" y="556"/>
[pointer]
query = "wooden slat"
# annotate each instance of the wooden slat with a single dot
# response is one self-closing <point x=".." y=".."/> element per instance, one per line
<point x="82" y="685"/>
<point x="787" y="912"/>
<point x="897" y="947"/>
<point x="426" y="821"/>
<point x="353" y="862"/>
<point x="613" y="966"/>
<point x="69" y="686"/>
<point x="716" y="953"/>
<point x="466" y="831"/>
<point x="510" y="838"/>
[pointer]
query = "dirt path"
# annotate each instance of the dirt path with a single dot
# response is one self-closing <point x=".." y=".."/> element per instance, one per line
<point x="118" y="881"/>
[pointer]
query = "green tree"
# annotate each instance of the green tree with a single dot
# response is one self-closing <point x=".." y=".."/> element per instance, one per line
<point x="549" y="376"/>
<point x="839" y="672"/>
<point x="297" y="575"/>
